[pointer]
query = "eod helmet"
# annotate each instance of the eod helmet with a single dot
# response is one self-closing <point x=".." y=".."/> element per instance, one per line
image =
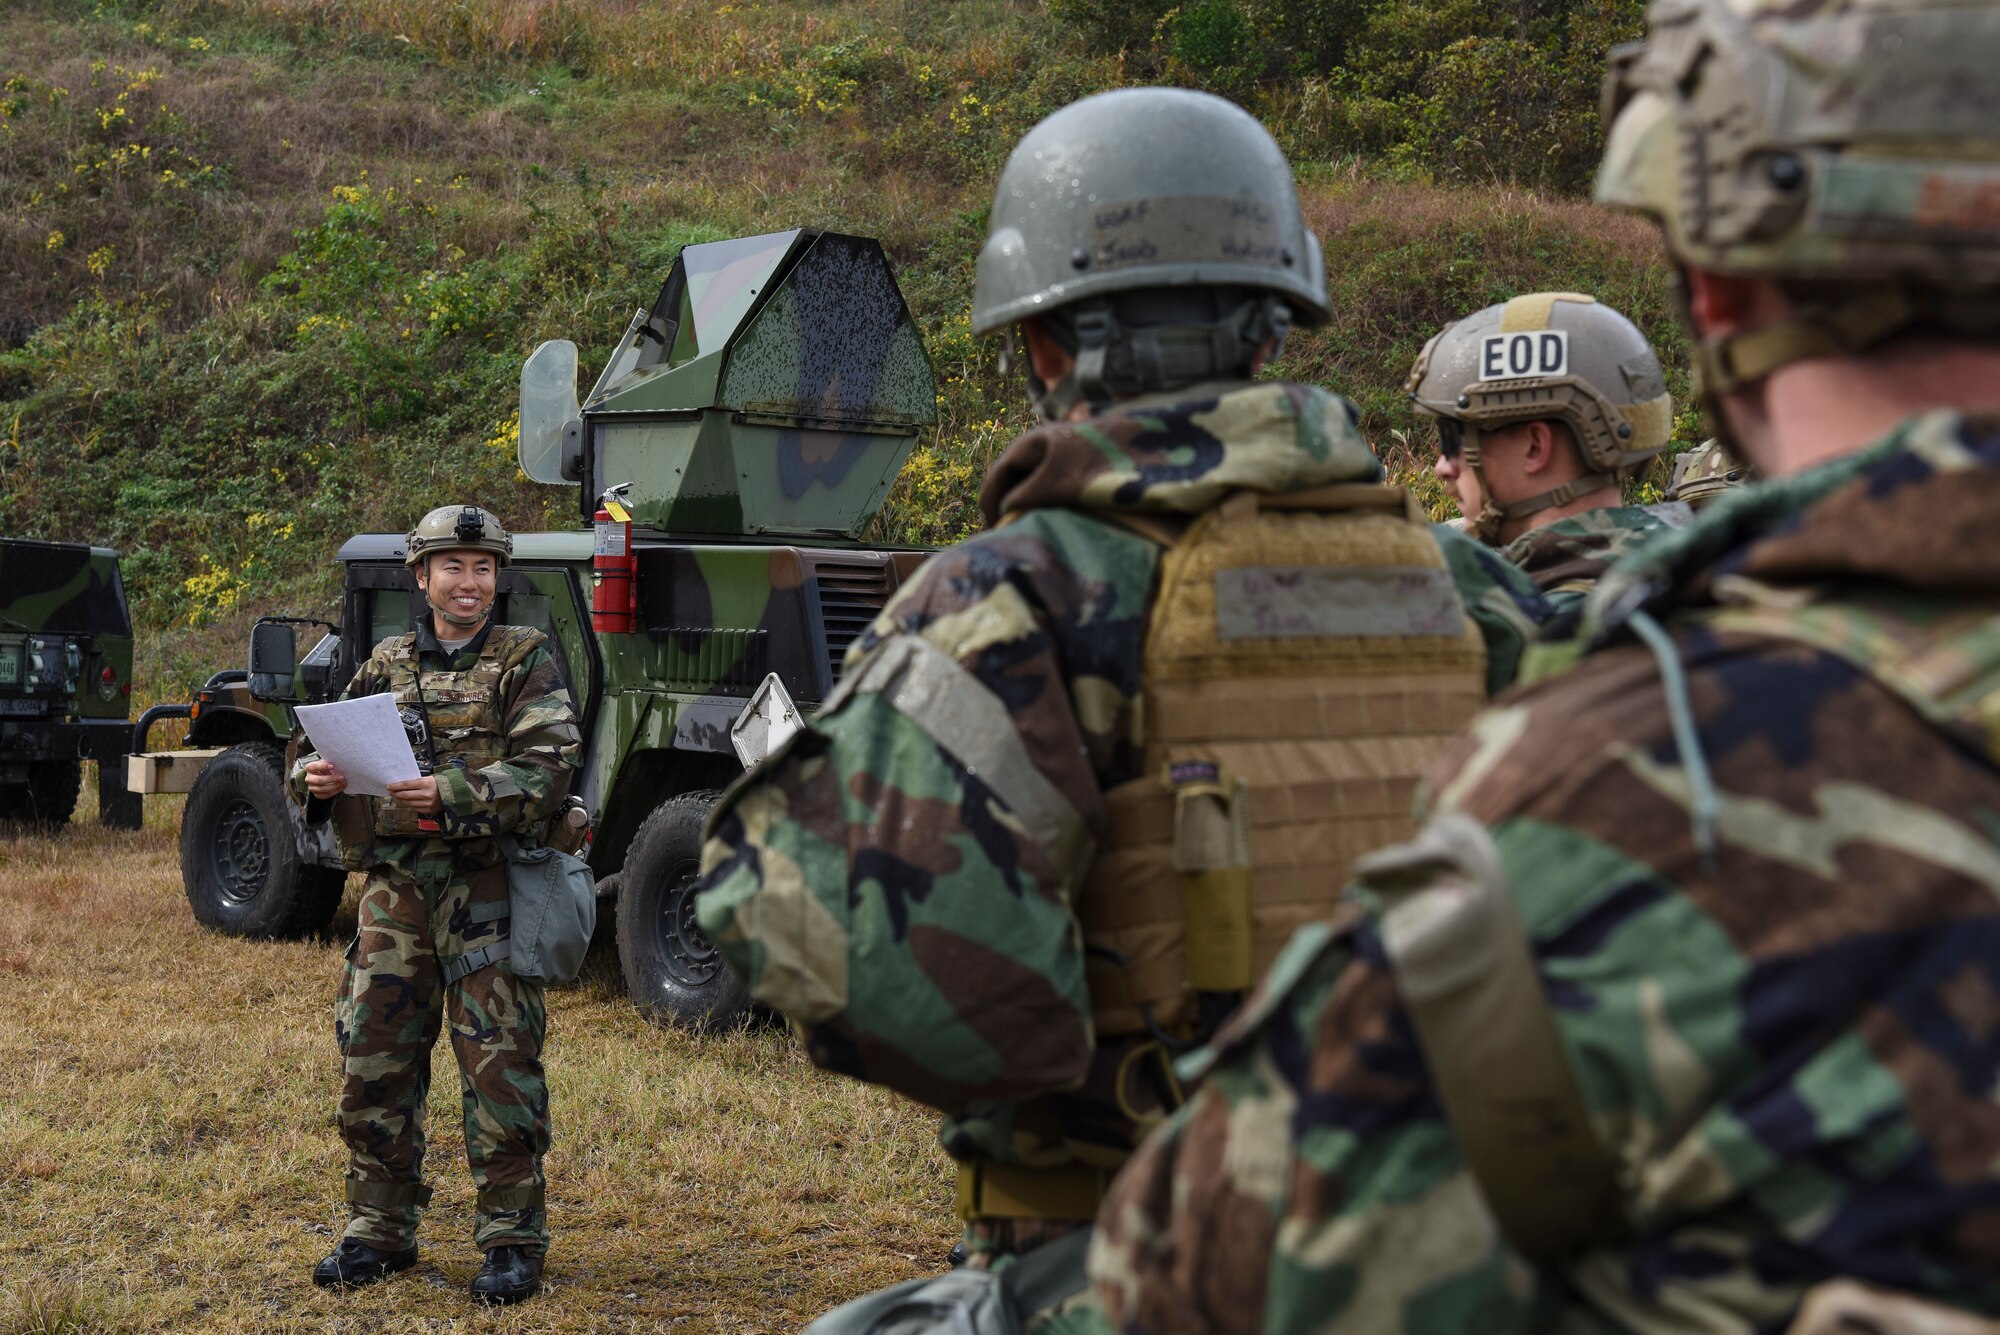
<point x="1560" y="355"/>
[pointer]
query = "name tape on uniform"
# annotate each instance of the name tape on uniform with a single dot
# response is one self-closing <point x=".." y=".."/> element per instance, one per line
<point x="1533" y="352"/>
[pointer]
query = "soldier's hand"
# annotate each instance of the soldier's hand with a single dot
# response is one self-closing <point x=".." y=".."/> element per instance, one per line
<point x="323" y="780"/>
<point x="418" y="795"/>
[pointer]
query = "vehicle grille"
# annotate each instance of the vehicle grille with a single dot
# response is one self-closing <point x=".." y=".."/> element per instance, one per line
<point x="705" y="658"/>
<point x="851" y="593"/>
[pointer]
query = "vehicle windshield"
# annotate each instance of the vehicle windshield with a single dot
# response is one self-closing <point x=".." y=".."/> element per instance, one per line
<point x="712" y="287"/>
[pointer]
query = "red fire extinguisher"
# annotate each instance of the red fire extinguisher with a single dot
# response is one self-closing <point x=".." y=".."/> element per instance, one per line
<point x="614" y="597"/>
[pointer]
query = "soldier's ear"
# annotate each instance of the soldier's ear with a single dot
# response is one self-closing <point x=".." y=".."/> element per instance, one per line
<point x="1724" y="304"/>
<point x="1049" y="360"/>
<point x="423" y="572"/>
<point x="1540" y="445"/>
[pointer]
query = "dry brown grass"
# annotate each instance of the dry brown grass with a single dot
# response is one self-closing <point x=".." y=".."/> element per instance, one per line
<point x="167" y="1159"/>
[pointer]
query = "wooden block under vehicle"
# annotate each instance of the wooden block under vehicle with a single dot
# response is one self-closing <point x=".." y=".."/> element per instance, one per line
<point x="166" y="771"/>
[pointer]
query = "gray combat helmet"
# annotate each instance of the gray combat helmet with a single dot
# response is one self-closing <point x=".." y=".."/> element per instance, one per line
<point x="1118" y="206"/>
<point x="1559" y="355"/>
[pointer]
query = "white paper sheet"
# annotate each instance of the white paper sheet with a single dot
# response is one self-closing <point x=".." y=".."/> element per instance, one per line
<point x="365" y="740"/>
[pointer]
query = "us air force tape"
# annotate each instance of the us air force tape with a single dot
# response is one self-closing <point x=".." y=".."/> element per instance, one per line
<point x="1524" y="355"/>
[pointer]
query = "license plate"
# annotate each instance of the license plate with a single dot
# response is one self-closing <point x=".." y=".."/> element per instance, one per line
<point x="22" y="707"/>
<point x="10" y="665"/>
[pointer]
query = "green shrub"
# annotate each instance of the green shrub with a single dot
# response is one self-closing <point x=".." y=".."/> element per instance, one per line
<point x="1463" y="90"/>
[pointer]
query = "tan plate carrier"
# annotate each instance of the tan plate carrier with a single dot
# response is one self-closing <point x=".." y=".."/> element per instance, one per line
<point x="1307" y="656"/>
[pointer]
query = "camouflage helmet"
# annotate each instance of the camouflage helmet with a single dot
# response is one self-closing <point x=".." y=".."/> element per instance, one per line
<point x="1153" y="192"/>
<point x="1560" y="355"/>
<point x="1705" y="474"/>
<point x="457" y="528"/>
<point x="1844" y="144"/>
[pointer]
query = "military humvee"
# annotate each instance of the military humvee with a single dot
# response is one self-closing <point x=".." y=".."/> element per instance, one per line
<point x="747" y="427"/>
<point x="65" y="680"/>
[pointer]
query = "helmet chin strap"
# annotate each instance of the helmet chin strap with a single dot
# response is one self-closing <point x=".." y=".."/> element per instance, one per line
<point x="464" y="621"/>
<point x="1485" y="526"/>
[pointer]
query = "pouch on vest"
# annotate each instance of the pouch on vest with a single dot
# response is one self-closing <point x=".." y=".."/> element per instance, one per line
<point x="1306" y="657"/>
<point x="1212" y="856"/>
<point x="552" y="899"/>
<point x="353" y="820"/>
<point x="968" y="1301"/>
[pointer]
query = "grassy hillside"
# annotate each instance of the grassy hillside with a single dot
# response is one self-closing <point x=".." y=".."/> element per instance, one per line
<point x="270" y="265"/>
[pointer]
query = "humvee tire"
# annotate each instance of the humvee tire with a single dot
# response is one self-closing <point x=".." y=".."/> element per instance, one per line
<point x="49" y="795"/>
<point x="674" y="975"/>
<point x="239" y="858"/>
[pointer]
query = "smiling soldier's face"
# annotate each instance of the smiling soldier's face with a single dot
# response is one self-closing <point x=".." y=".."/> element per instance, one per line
<point x="459" y="584"/>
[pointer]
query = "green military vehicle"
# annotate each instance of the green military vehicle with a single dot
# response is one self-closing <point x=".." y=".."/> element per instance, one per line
<point x="65" y="681"/>
<point x="746" y="429"/>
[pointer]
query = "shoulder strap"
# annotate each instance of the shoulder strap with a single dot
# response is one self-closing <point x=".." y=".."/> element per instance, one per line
<point x="1341" y="497"/>
<point x="1468" y="981"/>
<point x="1162" y="530"/>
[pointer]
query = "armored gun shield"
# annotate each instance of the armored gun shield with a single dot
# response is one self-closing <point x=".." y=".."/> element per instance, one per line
<point x="774" y="388"/>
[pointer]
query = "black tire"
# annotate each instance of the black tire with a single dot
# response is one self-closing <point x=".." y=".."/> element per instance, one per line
<point x="50" y="795"/>
<point x="239" y="858"/>
<point x="673" y="973"/>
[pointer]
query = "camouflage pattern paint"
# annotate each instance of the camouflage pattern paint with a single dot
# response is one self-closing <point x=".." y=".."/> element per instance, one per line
<point x="65" y="594"/>
<point x="792" y="407"/>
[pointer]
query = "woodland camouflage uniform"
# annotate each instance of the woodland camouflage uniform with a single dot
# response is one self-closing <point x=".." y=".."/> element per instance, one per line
<point x="1795" y="1083"/>
<point x="498" y="719"/>
<point x="1566" y="558"/>
<point x="1745" y="849"/>
<point x="869" y="826"/>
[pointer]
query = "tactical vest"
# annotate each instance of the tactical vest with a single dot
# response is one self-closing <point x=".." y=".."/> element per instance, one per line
<point x="1307" y="656"/>
<point x="455" y="718"/>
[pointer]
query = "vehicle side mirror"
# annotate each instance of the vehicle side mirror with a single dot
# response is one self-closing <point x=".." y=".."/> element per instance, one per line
<point x="274" y="660"/>
<point x="548" y="402"/>
<point x="317" y="667"/>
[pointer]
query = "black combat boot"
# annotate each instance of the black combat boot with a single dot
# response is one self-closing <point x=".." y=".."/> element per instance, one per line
<point x="510" y="1275"/>
<point x="355" y="1263"/>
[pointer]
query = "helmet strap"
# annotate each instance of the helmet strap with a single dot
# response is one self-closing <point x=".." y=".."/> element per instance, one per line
<point x="1493" y="512"/>
<point x="1724" y="363"/>
<point x="463" y="620"/>
<point x="1156" y="358"/>
<point x="1729" y="362"/>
